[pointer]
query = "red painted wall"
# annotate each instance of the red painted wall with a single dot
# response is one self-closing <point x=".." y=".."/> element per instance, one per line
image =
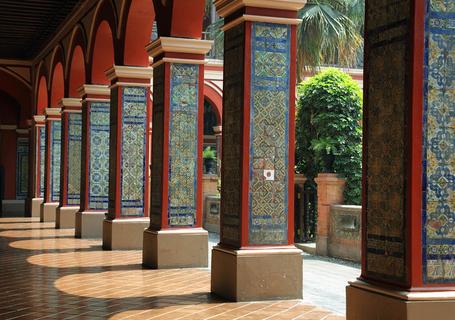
<point x="8" y="161"/>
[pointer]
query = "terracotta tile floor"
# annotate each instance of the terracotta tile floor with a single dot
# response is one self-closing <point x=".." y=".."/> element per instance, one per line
<point x="48" y="274"/>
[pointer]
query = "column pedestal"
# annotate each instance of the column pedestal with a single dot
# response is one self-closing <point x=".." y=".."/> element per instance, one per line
<point x="249" y="275"/>
<point x="66" y="217"/>
<point x="124" y="234"/>
<point x="36" y="207"/>
<point x="183" y="248"/>
<point x="48" y="211"/>
<point x="365" y="301"/>
<point x="89" y="225"/>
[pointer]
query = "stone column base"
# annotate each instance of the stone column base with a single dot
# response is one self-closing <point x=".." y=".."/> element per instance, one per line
<point x="262" y="274"/>
<point x="48" y="211"/>
<point x="89" y="224"/>
<point x="182" y="248"/>
<point x="36" y="207"/>
<point x="66" y="217"/>
<point x="124" y="234"/>
<point x="365" y="301"/>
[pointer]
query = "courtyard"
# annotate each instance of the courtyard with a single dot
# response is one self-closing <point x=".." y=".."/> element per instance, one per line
<point x="48" y="274"/>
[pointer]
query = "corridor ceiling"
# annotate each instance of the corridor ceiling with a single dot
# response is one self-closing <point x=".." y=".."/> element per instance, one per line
<point x="27" y="25"/>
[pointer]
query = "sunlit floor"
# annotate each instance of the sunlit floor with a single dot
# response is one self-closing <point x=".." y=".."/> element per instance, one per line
<point x="48" y="274"/>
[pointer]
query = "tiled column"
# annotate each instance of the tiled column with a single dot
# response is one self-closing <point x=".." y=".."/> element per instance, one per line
<point x="70" y="164"/>
<point x="38" y="154"/>
<point x="22" y="162"/>
<point x="129" y="196"/>
<point x="175" y="237"/>
<point x="94" y="161"/>
<point x="53" y="127"/>
<point x="256" y="258"/>
<point x="408" y="224"/>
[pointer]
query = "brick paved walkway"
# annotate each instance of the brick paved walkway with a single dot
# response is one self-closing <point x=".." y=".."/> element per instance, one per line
<point x="48" y="274"/>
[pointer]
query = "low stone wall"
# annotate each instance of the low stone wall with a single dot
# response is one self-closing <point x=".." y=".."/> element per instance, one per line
<point x="344" y="240"/>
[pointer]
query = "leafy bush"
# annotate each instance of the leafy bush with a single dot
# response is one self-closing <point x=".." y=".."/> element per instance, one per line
<point x="328" y="129"/>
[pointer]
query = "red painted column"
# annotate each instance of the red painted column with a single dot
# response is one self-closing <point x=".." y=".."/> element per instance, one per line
<point x="94" y="186"/>
<point x="70" y="166"/>
<point x="51" y="165"/>
<point x="408" y="209"/>
<point x="38" y="140"/>
<point x="256" y="258"/>
<point x="129" y="158"/>
<point x="176" y="195"/>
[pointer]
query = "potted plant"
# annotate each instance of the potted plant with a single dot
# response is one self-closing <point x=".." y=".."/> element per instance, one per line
<point x="209" y="157"/>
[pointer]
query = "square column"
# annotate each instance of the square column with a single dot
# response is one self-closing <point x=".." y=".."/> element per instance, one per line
<point x="94" y="186"/>
<point x="37" y="164"/>
<point x="175" y="237"/>
<point x="129" y="155"/>
<point x="70" y="174"/>
<point x="256" y="258"/>
<point x="22" y="170"/>
<point x="53" y="127"/>
<point x="408" y="227"/>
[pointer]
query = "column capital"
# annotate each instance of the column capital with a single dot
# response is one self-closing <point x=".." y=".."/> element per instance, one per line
<point x="129" y="76"/>
<point x="178" y="50"/>
<point x="269" y="11"/>
<point x="39" y="120"/>
<point x="227" y="7"/>
<point x="53" y="113"/>
<point x="94" y="92"/>
<point x="70" y="105"/>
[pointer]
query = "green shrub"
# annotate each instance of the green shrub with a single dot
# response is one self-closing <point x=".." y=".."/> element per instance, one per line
<point x="208" y="153"/>
<point x="328" y="129"/>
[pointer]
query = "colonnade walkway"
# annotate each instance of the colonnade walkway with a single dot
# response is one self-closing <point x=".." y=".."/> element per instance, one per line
<point x="48" y="274"/>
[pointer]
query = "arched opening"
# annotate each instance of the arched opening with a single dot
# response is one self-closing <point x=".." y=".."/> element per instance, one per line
<point x="77" y="71"/>
<point x="211" y="120"/>
<point x="138" y="32"/>
<point x="58" y="85"/>
<point x="103" y="53"/>
<point x="42" y="99"/>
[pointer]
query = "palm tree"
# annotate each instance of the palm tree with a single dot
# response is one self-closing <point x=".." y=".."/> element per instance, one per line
<point x="331" y="33"/>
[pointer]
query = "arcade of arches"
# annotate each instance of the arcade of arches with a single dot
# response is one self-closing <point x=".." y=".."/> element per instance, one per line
<point x="103" y="127"/>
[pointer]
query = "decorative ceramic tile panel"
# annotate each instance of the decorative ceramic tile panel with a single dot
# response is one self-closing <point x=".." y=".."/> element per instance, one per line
<point x="133" y="147"/>
<point x="439" y="144"/>
<point x="387" y="102"/>
<point x="74" y="158"/>
<point x="269" y="127"/>
<point x="183" y="144"/>
<point x="157" y="147"/>
<point x="232" y="135"/>
<point x="98" y="198"/>
<point x="56" y="142"/>
<point x="22" y="168"/>
<point x="42" y="157"/>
